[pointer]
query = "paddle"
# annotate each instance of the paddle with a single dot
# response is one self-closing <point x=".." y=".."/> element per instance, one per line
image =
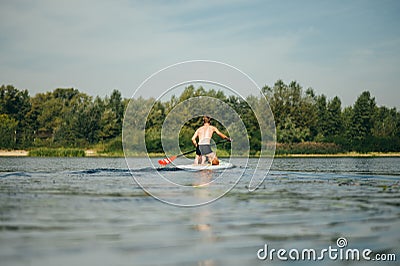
<point x="169" y="160"/>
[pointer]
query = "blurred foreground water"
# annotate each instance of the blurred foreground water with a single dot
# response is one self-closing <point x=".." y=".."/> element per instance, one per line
<point x="90" y="211"/>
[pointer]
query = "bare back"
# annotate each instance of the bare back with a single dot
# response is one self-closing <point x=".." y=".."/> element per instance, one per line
<point x="205" y="133"/>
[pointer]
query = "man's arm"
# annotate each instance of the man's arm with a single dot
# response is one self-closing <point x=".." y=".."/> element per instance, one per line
<point x="194" y="137"/>
<point x="219" y="133"/>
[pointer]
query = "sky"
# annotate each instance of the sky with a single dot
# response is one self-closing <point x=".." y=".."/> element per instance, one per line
<point x="338" y="48"/>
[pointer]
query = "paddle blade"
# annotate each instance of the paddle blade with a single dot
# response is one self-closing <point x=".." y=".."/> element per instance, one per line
<point x="166" y="161"/>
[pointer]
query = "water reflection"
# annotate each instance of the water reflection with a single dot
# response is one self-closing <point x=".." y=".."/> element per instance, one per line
<point x="203" y="217"/>
<point x="206" y="263"/>
<point x="202" y="178"/>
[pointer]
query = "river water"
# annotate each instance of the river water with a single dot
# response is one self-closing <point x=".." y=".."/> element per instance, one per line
<point x="90" y="211"/>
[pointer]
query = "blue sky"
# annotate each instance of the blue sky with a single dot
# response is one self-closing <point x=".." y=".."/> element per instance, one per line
<point x="336" y="47"/>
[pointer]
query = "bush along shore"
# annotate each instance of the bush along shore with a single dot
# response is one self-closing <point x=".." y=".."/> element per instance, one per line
<point x="308" y="148"/>
<point x="283" y="150"/>
<point x="58" y="152"/>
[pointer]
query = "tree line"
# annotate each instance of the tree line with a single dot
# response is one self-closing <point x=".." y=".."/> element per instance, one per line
<point x="305" y="122"/>
<point x="303" y="116"/>
<point x="61" y="118"/>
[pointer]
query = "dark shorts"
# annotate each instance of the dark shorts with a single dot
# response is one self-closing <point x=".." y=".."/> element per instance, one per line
<point x="203" y="149"/>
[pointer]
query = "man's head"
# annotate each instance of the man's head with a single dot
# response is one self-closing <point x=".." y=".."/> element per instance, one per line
<point x="206" y="119"/>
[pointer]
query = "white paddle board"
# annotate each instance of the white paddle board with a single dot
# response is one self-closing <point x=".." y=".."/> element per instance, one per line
<point x="199" y="167"/>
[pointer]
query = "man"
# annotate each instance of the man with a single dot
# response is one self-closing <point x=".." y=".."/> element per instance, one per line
<point x="203" y="148"/>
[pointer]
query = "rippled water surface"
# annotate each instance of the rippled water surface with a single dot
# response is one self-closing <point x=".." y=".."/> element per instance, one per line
<point x="90" y="211"/>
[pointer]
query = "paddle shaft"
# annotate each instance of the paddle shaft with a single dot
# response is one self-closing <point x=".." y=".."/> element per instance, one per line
<point x="188" y="152"/>
<point x="170" y="159"/>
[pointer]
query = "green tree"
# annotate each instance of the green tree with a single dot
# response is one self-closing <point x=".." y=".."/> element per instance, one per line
<point x="16" y="104"/>
<point x="80" y="125"/>
<point x="117" y="106"/>
<point x="65" y="95"/>
<point x="322" y="117"/>
<point x="187" y="93"/>
<point x="385" y="122"/>
<point x="250" y="121"/>
<point x="42" y="116"/>
<point x="54" y="117"/>
<point x="112" y="116"/>
<point x="290" y="133"/>
<point x="8" y="127"/>
<point x="334" y="123"/>
<point x="88" y="123"/>
<point x="278" y="100"/>
<point x="293" y="111"/>
<point x="109" y="125"/>
<point x="362" y="119"/>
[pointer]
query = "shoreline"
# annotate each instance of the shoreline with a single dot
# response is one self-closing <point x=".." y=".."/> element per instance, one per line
<point x="13" y="153"/>
<point x="93" y="153"/>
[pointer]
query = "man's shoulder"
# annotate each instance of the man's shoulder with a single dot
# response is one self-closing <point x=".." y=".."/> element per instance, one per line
<point x="213" y="128"/>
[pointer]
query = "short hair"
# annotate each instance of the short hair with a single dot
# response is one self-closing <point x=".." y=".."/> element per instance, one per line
<point x="206" y="119"/>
